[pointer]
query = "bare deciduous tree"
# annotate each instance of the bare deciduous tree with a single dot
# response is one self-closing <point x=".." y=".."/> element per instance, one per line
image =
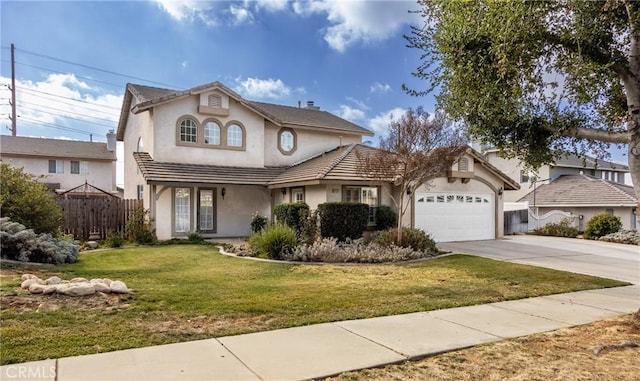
<point x="418" y="148"/>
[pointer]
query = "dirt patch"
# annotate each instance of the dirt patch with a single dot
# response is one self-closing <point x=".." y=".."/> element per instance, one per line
<point x="566" y="354"/>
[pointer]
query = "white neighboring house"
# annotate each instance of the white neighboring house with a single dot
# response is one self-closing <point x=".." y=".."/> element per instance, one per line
<point x="205" y="159"/>
<point x="66" y="164"/>
<point x="573" y="187"/>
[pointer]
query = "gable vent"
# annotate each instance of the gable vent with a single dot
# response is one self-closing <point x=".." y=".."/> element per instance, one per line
<point x="215" y="101"/>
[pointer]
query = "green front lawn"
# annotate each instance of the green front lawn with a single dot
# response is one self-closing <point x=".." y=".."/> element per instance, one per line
<point x="185" y="292"/>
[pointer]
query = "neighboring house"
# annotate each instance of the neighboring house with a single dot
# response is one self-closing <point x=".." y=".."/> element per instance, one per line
<point x="67" y="165"/>
<point x="573" y="187"/>
<point x="206" y="159"/>
<point x="583" y="196"/>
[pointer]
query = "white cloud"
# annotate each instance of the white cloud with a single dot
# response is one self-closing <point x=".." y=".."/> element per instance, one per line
<point x="272" y="5"/>
<point x="380" y="88"/>
<point x="380" y="123"/>
<point x="361" y="105"/>
<point x="188" y="10"/>
<point x="350" y="113"/>
<point x="262" y="88"/>
<point x="353" y="22"/>
<point x="240" y="15"/>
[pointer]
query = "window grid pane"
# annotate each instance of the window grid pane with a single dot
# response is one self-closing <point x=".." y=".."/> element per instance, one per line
<point x="206" y="210"/>
<point x="234" y="136"/>
<point x="75" y="167"/>
<point x="212" y="133"/>
<point x="183" y="217"/>
<point x="286" y="141"/>
<point x="188" y="131"/>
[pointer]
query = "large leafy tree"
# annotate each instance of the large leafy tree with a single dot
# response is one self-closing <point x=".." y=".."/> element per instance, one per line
<point x="26" y="200"/>
<point x="418" y="148"/>
<point x="533" y="78"/>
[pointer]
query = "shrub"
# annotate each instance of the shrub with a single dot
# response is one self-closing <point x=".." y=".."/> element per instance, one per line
<point x="291" y="214"/>
<point x="601" y="225"/>
<point x="258" y="222"/>
<point x="22" y="244"/>
<point x="28" y="202"/>
<point x="308" y="226"/>
<point x="629" y="237"/>
<point x="114" y="239"/>
<point x="139" y="227"/>
<point x="559" y="229"/>
<point x="415" y="239"/>
<point x="343" y="220"/>
<point x="386" y="217"/>
<point x="329" y="250"/>
<point x="195" y="237"/>
<point x="277" y="241"/>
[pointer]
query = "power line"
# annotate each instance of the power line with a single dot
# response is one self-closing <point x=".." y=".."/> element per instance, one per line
<point x="66" y="111"/>
<point x="73" y="99"/>
<point x="80" y="106"/>
<point x="77" y="76"/>
<point x="57" y="126"/>
<point x="64" y="116"/>
<point x="93" y="68"/>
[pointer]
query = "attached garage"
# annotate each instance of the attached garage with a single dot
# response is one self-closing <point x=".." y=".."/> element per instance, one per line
<point x="453" y="216"/>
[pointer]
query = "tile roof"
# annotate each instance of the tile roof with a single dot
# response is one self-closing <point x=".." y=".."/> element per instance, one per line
<point x="339" y="163"/>
<point x="148" y="96"/>
<point x="54" y="148"/>
<point x="163" y="172"/>
<point x="582" y="190"/>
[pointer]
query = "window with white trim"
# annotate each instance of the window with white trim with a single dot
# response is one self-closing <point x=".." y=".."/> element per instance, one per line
<point x="364" y="195"/>
<point x="56" y="166"/>
<point x="297" y="195"/>
<point x="234" y="136"/>
<point x="212" y="133"/>
<point x="182" y="210"/>
<point x="188" y="131"/>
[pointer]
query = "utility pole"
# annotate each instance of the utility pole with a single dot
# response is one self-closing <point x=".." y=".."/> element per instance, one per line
<point x="14" y="116"/>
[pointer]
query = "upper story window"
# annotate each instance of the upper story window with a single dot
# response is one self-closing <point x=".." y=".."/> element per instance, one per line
<point x="188" y="131"/>
<point x="524" y="176"/>
<point x="234" y="136"/>
<point x="79" y="167"/>
<point x="56" y="166"/>
<point x="286" y="141"/>
<point x="212" y="133"/>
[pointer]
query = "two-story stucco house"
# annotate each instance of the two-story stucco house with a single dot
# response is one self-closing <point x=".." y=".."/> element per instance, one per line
<point x="573" y="187"/>
<point x="206" y="159"/>
<point x="65" y="164"/>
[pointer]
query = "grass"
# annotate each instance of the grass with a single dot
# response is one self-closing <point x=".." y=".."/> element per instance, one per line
<point x="190" y="292"/>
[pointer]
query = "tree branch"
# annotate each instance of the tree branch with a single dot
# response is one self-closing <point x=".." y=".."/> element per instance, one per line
<point x="616" y="137"/>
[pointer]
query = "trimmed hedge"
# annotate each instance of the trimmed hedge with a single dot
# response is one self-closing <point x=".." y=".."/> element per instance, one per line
<point x="343" y="220"/>
<point x="559" y="229"/>
<point x="386" y="218"/>
<point x="291" y="214"/>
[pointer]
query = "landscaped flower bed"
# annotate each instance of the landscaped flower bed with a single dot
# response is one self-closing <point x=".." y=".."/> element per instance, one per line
<point x="629" y="237"/>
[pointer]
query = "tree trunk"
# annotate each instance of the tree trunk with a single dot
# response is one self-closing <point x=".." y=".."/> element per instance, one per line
<point x="634" y="161"/>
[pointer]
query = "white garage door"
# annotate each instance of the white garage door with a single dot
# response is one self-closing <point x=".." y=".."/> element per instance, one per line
<point x="449" y="217"/>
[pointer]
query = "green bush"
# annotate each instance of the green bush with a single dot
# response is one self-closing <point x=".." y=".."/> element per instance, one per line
<point x="291" y="214"/>
<point x="139" y="227"/>
<point x="343" y="220"/>
<point x="22" y="244"/>
<point x="258" y="222"/>
<point x="114" y="239"/>
<point x="277" y="241"/>
<point x="601" y="225"/>
<point x="26" y="201"/>
<point x="559" y="229"/>
<point x="386" y="218"/>
<point x="415" y="239"/>
<point x="195" y="237"/>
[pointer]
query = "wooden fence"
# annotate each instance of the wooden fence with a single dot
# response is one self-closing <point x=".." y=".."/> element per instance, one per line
<point x="95" y="218"/>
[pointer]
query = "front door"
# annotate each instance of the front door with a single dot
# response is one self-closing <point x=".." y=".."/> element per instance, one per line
<point x="207" y="211"/>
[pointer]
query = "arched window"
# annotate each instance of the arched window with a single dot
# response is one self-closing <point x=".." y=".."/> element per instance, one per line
<point x="188" y="131"/>
<point x="234" y="136"/>
<point x="212" y="133"/>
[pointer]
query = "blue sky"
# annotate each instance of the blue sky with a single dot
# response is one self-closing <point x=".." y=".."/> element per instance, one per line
<point x="349" y="57"/>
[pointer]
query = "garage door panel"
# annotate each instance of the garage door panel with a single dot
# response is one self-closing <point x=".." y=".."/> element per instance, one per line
<point x="453" y="216"/>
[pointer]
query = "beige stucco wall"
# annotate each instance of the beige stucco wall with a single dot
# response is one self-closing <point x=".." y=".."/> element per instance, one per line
<point x="165" y="120"/>
<point x="625" y="213"/>
<point x="138" y="126"/>
<point x="101" y="173"/>
<point x="308" y="143"/>
<point x="512" y="168"/>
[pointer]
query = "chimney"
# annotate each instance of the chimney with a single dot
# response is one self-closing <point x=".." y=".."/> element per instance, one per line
<point x="299" y="104"/>
<point x="111" y="141"/>
<point x="310" y="106"/>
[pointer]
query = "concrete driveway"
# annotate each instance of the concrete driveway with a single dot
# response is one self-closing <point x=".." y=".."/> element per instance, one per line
<point x="603" y="259"/>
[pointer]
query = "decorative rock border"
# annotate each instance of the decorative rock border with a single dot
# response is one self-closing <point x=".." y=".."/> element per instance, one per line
<point x="73" y="287"/>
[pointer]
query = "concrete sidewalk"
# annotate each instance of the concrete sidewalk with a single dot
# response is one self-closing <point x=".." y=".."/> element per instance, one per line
<point x="323" y="350"/>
